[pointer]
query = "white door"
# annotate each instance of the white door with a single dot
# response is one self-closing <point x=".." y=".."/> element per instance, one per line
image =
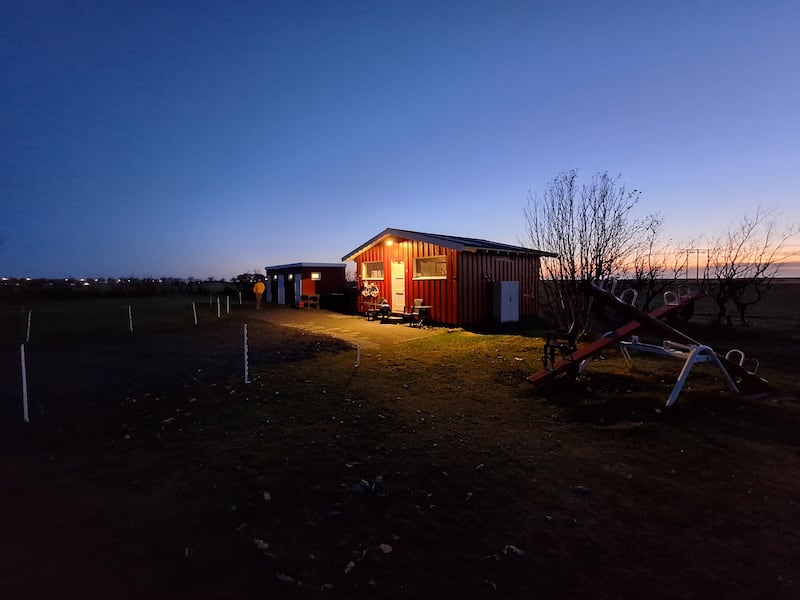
<point x="298" y="288"/>
<point x="281" y="291"/>
<point x="398" y="286"/>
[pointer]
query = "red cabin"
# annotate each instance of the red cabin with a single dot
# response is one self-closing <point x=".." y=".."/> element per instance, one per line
<point x="464" y="280"/>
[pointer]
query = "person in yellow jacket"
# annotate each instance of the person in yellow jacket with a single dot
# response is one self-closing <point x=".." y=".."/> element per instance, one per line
<point x="258" y="290"/>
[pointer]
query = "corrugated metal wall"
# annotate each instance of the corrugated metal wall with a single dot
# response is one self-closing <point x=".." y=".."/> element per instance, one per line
<point x="478" y="271"/>
<point x="438" y="293"/>
<point x="374" y="254"/>
<point x="465" y="295"/>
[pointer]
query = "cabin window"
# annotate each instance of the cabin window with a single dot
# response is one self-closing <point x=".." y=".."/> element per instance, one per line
<point x="372" y="270"/>
<point x="430" y="267"/>
<point x="316" y="276"/>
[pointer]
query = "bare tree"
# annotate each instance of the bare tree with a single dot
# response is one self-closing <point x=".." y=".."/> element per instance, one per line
<point x="592" y="230"/>
<point x="743" y="262"/>
<point x="656" y="265"/>
<point x="350" y="274"/>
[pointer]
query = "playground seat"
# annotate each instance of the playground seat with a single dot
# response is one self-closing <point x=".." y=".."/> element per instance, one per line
<point x="565" y="343"/>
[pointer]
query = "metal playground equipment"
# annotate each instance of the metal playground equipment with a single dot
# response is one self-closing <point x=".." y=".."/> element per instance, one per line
<point x="677" y="345"/>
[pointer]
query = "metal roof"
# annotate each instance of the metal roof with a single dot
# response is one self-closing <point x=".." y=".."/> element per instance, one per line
<point x="461" y="244"/>
<point x="306" y="265"/>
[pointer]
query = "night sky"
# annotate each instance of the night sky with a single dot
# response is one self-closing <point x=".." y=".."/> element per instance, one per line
<point x="198" y="139"/>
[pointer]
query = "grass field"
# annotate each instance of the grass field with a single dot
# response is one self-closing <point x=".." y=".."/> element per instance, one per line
<point x="434" y="469"/>
<point x="92" y="316"/>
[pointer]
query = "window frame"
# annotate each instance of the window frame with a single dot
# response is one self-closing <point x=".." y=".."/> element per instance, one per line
<point x="436" y="260"/>
<point x="365" y="270"/>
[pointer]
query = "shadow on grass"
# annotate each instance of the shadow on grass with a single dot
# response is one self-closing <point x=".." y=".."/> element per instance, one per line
<point x="532" y="327"/>
<point x="617" y="400"/>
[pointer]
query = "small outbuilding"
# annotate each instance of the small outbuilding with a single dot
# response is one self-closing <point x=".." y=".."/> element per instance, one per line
<point x="303" y="284"/>
<point x="462" y="280"/>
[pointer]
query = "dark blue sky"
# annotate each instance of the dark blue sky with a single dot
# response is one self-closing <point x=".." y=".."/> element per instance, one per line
<point x="187" y="140"/>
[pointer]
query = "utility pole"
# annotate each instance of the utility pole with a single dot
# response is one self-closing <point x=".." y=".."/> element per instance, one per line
<point x="697" y="267"/>
<point x="697" y="252"/>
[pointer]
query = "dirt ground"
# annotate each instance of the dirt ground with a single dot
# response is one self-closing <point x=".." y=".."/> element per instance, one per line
<point x="433" y="469"/>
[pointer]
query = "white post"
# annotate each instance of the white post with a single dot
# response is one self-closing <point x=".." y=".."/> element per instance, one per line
<point x="358" y="355"/>
<point x="28" y="334"/>
<point x="24" y="384"/>
<point x="240" y="297"/>
<point x="194" y="312"/>
<point x="218" y="313"/>
<point x="227" y="305"/>
<point x="246" y="371"/>
<point x="130" y="317"/>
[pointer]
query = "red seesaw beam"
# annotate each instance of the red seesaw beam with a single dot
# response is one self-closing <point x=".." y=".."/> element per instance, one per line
<point x="574" y="360"/>
<point x="734" y="369"/>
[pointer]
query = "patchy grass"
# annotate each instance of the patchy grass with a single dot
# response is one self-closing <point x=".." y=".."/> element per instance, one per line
<point x="434" y="469"/>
